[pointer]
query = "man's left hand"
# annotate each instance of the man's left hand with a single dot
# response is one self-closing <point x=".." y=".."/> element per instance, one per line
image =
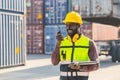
<point x="74" y="66"/>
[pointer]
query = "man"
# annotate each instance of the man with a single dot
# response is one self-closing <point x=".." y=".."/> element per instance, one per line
<point x="75" y="47"/>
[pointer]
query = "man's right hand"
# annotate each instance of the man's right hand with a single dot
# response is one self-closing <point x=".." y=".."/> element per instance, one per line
<point x="59" y="38"/>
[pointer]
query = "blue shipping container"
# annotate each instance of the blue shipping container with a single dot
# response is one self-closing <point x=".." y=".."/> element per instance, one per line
<point x="50" y="37"/>
<point x="55" y="11"/>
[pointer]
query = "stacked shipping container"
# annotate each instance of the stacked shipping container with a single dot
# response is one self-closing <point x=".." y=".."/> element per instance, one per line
<point x="50" y="36"/>
<point x="12" y="33"/>
<point x="34" y="12"/>
<point x="102" y="11"/>
<point x="12" y="5"/>
<point x="34" y="39"/>
<point x="34" y="26"/>
<point x="55" y="11"/>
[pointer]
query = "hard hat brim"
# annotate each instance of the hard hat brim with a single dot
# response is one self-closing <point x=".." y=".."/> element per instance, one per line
<point x="64" y="21"/>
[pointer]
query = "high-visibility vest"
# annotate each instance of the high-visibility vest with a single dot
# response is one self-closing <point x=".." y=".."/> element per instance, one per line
<point x="77" y="51"/>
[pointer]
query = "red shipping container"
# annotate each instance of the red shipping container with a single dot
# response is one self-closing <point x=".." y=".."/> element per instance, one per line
<point x="104" y="32"/>
<point x="87" y="30"/>
<point x="97" y="31"/>
<point x="34" y="12"/>
<point x="35" y="40"/>
<point x="34" y="20"/>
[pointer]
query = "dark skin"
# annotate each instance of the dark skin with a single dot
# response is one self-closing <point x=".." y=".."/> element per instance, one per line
<point x="72" y="29"/>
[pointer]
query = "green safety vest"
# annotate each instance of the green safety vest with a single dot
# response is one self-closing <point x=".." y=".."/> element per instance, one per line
<point x="77" y="51"/>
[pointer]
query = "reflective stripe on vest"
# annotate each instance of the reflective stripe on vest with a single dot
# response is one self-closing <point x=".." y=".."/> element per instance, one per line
<point x="74" y="74"/>
<point x="80" y="47"/>
<point x="66" y="71"/>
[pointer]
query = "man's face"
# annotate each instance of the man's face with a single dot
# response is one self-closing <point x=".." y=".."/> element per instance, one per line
<point x="71" y="28"/>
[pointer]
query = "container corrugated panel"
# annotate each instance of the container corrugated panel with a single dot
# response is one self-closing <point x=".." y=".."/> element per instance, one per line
<point x="104" y="32"/>
<point x="0" y="4"/>
<point x="116" y="8"/>
<point x="89" y="8"/>
<point x="55" y="11"/>
<point x="34" y="35"/>
<point x="13" y="5"/>
<point x="50" y="37"/>
<point x="12" y="40"/>
<point x="34" y="12"/>
<point x="101" y="11"/>
<point x="97" y="31"/>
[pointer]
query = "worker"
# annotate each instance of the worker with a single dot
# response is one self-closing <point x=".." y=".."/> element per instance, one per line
<point x="72" y="49"/>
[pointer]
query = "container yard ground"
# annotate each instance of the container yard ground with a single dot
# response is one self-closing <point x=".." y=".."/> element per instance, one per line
<point x="38" y="67"/>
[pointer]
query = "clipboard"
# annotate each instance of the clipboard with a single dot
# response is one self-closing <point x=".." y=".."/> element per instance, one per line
<point x="86" y="62"/>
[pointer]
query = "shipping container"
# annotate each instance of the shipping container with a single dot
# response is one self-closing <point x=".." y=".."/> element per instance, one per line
<point x="55" y="11"/>
<point x="86" y="29"/>
<point x="34" y="39"/>
<point x="13" y="5"/>
<point x="34" y="12"/>
<point x="101" y="11"/>
<point x="50" y="32"/>
<point x="12" y="39"/>
<point x="105" y="32"/>
<point x="99" y="32"/>
<point x="34" y="21"/>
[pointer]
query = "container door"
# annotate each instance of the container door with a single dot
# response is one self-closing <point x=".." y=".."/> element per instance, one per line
<point x="116" y="8"/>
<point x="34" y="39"/>
<point x="50" y="37"/>
<point x="12" y="40"/>
<point x="81" y="6"/>
<point x="101" y="7"/>
<point x="55" y="11"/>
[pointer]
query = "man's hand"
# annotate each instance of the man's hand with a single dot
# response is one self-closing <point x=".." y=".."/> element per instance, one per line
<point x="59" y="38"/>
<point x="74" y="66"/>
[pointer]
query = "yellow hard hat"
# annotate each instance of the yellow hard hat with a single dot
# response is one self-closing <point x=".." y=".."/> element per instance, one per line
<point x="73" y="17"/>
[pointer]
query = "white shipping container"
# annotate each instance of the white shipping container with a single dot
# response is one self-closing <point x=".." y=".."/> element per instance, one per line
<point x="101" y="11"/>
<point x="13" y="5"/>
<point x="12" y="39"/>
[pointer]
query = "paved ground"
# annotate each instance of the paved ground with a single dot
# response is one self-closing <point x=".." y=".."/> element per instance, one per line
<point x="38" y="67"/>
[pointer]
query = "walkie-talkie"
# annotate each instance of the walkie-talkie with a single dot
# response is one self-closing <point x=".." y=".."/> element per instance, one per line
<point x="59" y="33"/>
